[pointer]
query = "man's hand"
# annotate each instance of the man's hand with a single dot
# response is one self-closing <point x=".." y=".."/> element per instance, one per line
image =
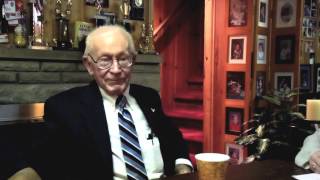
<point x="314" y="162"/>
<point x="182" y="169"/>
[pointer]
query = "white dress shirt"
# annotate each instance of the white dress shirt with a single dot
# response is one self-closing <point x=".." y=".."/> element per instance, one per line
<point x="150" y="147"/>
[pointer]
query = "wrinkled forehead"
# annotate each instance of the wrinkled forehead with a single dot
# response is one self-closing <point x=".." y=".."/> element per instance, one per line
<point x="110" y="43"/>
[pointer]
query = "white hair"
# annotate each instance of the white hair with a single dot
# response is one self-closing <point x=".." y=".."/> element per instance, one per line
<point x="105" y="29"/>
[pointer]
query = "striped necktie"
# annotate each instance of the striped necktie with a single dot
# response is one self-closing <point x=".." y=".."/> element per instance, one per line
<point x="129" y="143"/>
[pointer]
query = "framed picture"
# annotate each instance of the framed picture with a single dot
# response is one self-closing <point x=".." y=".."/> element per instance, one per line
<point x="286" y="13"/>
<point x="263" y="13"/>
<point x="260" y="83"/>
<point x="236" y="153"/>
<point x="238" y="13"/>
<point x="137" y="9"/>
<point x="308" y="46"/>
<point x="234" y="120"/>
<point x="314" y="9"/>
<point x="317" y="78"/>
<point x="310" y="8"/>
<point x="283" y="81"/>
<point x="103" y="3"/>
<point x="235" y="85"/>
<point x="237" y="49"/>
<point x="105" y="19"/>
<point x="285" y="48"/>
<point x="261" y="49"/>
<point x="305" y="77"/>
<point x="309" y="27"/>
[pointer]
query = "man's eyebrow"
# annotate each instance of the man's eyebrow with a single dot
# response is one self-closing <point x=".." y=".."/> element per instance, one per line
<point x="115" y="55"/>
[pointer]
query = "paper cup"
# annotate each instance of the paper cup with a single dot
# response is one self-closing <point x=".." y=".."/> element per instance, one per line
<point x="212" y="166"/>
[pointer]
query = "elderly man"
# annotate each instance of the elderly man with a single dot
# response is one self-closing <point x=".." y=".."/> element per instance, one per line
<point x="110" y="129"/>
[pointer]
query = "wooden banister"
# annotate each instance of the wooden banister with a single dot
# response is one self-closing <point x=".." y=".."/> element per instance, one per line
<point x="171" y="22"/>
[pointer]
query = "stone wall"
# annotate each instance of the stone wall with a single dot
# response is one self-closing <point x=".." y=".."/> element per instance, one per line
<point x="31" y="81"/>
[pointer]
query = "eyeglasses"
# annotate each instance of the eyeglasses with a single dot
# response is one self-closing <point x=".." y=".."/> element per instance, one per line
<point x="107" y="62"/>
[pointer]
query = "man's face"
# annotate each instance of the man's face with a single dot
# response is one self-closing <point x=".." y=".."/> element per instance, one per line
<point x="114" y="46"/>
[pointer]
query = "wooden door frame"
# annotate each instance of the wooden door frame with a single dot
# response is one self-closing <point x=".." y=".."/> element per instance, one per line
<point x="208" y="82"/>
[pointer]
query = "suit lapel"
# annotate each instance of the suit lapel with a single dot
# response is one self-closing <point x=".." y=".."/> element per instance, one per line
<point x="96" y="120"/>
<point x="145" y="105"/>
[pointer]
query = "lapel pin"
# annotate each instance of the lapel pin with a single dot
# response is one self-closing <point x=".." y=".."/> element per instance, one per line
<point x="153" y="109"/>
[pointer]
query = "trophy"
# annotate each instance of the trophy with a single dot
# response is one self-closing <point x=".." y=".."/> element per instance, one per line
<point x="99" y="7"/>
<point x="142" y="39"/>
<point x="36" y="40"/>
<point x="149" y="41"/>
<point x="145" y="42"/>
<point x="62" y="20"/>
<point x="125" y="9"/>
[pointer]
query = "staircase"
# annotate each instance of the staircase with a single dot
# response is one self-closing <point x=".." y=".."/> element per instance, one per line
<point x="188" y="114"/>
<point x="178" y="37"/>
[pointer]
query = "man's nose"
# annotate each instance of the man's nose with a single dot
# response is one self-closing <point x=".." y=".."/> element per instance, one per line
<point x="115" y="66"/>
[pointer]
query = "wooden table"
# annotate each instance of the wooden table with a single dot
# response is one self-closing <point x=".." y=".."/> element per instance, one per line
<point x="258" y="170"/>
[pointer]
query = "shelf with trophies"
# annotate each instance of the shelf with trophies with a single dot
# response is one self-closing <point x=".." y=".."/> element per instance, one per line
<point x="63" y="24"/>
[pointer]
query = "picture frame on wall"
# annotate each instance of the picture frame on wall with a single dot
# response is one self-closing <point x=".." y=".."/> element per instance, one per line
<point x="137" y="10"/>
<point x="285" y="48"/>
<point x="261" y="80"/>
<point x="263" y="13"/>
<point x="286" y="13"/>
<point x="238" y="12"/>
<point x="309" y="27"/>
<point x="305" y="77"/>
<point x="236" y="152"/>
<point x="237" y="49"/>
<point x="261" y="49"/>
<point x="235" y="85"/>
<point x="310" y="8"/>
<point x="234" y="120"/>
<point x="103" y="3"/>
<point x="283" y="81"/>
<point x="316" y="78"/>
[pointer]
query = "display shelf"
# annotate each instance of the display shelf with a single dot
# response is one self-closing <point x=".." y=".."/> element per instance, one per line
<point x="59" y="55"/>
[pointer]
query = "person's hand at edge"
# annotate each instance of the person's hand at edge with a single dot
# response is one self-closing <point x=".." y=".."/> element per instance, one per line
<point x="25" y="174"/>
<point x="182" y="169"/>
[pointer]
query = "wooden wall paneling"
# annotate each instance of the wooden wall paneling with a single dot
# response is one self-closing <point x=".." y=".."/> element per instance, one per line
<point x="181" y="61"/>
<point x="169" y="23"/>
<point x="174" y="26"/>
<point x="189" y="62"/>
<point x="167" y="77"/>
<point x="168" y="52"/>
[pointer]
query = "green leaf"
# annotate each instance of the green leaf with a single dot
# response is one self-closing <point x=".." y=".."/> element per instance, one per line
<point x="273" y="100"/>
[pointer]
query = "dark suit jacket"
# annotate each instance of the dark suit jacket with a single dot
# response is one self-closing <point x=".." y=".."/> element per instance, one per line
<point x="77" y="144"/>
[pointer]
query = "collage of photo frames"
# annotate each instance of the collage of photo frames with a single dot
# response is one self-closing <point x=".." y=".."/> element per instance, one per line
<point x="284" y="49"/>
<point x="309" y="70"/>
<point x="235" y="80"/>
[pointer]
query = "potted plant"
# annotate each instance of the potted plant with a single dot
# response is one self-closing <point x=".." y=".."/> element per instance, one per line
<point x="278" y="130"/>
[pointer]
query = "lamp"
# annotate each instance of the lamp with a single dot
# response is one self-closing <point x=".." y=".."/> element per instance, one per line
<point x="313" y="110"/>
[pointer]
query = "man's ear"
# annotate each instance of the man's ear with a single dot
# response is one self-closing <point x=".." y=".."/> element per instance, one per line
<point x="88" y="65"/>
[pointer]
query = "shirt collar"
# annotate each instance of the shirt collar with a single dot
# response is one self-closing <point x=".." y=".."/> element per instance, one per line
<point x="112" y="99"/>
